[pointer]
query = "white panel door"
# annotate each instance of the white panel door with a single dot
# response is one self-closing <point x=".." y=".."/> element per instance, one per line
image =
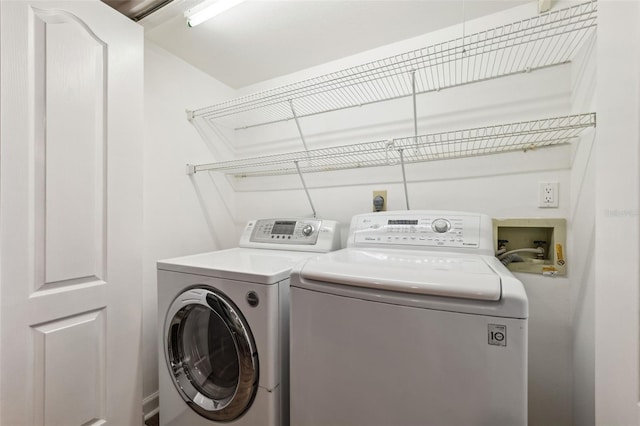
<point x="70" y="214"/>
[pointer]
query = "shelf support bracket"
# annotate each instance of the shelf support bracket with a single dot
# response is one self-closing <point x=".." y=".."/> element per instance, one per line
<point x="404" y="177"/>
<point x="544" y="6"/>
<point x="415" y="108"/>
<point x="415" y="115"/>
<point x="306" y="190"/>
<point x="295" y="117"/>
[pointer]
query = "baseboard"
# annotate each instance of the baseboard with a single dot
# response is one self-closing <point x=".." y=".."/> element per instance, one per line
<point x="150" y="405"/>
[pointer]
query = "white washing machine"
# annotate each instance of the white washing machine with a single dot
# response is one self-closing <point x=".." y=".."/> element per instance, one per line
<point x="414" y="323"/>
<point x="223" y="326"/>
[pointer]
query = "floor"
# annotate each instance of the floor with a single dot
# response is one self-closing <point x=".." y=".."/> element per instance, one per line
<point x="152" y="421"/>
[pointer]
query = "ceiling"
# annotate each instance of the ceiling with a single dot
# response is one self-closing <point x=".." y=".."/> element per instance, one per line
<point x="262" y="39"/>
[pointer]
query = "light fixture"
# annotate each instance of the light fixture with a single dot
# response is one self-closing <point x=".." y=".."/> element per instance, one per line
<point x="207" y="10"/>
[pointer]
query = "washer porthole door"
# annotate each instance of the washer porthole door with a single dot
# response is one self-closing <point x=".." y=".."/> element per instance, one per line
<point x="211" y="354"/>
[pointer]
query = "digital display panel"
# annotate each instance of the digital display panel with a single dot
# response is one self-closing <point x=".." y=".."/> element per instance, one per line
<point x="283" y="227"/>
<point x="402" y="222"/>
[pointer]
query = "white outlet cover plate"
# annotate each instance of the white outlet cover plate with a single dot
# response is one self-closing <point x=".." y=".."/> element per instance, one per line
<point x="548" y="194"/>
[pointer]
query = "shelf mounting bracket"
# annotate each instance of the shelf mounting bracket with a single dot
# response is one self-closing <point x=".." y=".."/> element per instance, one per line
<point x="415" y="108"/>
<point x="295" y="118"/>
<point x="306" y="190"/>
<point x="544" y="6"/>
<point x="404" y="177"/>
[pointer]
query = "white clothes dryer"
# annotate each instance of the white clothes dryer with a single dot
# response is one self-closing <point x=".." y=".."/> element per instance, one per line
<point x="223" y="326"/>
<point x="414" y="323"/>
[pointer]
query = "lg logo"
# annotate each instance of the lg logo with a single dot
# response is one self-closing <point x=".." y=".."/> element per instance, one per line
<point x="497" y="334"/>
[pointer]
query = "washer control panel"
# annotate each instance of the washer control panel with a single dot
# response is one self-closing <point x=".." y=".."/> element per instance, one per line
<point x="433" y="229"/>
<point x="286" y="231"/>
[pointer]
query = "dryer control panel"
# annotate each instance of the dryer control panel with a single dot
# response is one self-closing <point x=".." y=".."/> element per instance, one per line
<point x="416" y="229"/>
<point x="292" y="234"/>
<point x="287" y="231"/>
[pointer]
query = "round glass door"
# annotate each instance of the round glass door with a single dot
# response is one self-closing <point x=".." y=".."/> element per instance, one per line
<point x="211" y="354"/>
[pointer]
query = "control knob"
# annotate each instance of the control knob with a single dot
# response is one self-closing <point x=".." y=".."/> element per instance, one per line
<point x="307" y="230"/>
<point x="441" y="225"/>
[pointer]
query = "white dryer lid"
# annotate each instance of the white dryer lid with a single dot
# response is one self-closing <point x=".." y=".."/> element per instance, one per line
<point x="459" y="276"/>
<point x="241" y="264"/>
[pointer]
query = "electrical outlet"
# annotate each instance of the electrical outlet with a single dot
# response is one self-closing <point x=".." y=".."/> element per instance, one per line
<point x="548" y="194"/>
<point x="376" y="206"/>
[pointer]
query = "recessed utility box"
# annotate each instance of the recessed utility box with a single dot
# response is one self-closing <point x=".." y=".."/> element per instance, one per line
<point x="535" y="246"/>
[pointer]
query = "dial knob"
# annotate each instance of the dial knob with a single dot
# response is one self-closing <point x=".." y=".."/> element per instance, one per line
<point x="307" y="230"/>
<point x="441" y="225"/>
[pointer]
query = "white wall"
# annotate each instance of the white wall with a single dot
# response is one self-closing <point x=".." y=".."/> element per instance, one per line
<point x="502" y="186"/>
<point x="183" y="214"/>
<point x="582" y="244"/>
<point x="617" y="211"/>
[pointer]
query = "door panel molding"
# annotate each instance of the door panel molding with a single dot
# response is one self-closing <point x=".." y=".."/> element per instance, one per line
<point x="70" y="363"/>
<point x="69" y="75"/>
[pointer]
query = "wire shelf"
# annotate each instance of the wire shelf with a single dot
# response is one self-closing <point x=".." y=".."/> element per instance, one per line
<point x="539" y="42"/>
<point x="527" y="135"/>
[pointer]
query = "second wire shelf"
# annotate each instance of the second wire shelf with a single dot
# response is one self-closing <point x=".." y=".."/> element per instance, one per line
<point x="526" y="135"/>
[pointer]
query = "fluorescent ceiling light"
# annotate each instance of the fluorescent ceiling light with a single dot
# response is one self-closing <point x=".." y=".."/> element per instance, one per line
<point x="207" y="10"/>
